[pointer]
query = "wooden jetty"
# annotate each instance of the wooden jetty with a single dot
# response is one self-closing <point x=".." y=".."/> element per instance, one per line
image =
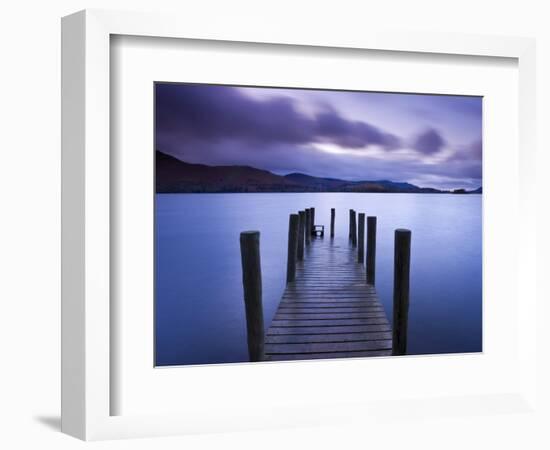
<point x="329" y="308"/>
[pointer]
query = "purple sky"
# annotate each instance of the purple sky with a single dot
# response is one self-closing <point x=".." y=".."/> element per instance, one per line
<point x="427" y="140"/>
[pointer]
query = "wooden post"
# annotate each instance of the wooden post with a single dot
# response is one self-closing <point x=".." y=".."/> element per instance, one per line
<point x="332" y="216"/>
<point x="252" y="286"/>
<point x="308" y="226"/>
<point x="354" y="228"/>
<point x="350" y="214"/>
<point x="361" y="239"/>
<point x="312" y="220"/>
<point x="401" y="273"/>
<point x="292" y="247"/>
<point x="371" y="249"/>
<point x="301" y="231"/>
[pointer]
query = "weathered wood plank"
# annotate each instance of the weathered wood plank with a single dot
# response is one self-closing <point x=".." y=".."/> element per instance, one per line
<point x="336" y="273"/>
<point x="330" y="277"/>
<point x="330" y="304"/>
<point x="335" y="295"/>
<point x="327" y="347"/>
<point x="338" y="294"/>
<point x="329" y="315"/>
<point x="338" y="285"/>
<point x="329" y="301"/>
<point x="310" y="302"/>
<point x="333" y="322"/>
<point x="317" y="289"/>
<point x="329" y="309"/>
<point x="312" y="286"/>
<point x="318" y="338"/>
<point x="328" y="298"/>
<point x="340" y="355"/>
<point x="332" y="284"/>
<point x="327" y="330"/>
<point x="354" y="283"/>
<point x="328" y="290"/>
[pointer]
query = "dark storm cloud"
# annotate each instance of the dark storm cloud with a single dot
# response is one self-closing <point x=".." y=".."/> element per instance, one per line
<point x="472" y="152"/>
<point x="202" y="112"/>
<point x="429" y="142"/>
<point x="351" y="134"/>
<point x="220" y="112"/>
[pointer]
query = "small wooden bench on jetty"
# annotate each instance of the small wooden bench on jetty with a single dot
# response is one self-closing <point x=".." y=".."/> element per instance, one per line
<point x="330" y="308"/>
<point x="318" y="230"/>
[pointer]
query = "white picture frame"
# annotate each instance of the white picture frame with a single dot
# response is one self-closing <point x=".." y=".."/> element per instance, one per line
<point x="86" y="245"/>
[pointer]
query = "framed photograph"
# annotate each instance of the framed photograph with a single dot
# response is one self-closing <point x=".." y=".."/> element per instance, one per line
<point x="265" y="228"/>
<point x="251" y="152"/>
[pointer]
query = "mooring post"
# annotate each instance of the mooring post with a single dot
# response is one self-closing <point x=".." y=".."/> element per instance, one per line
<point x="353" y="228"/>
<point x="350" y="214"/>
<point x="308" y="226"/>
<point x="361" y="239"/>
<point x="332" y="216"/>
<point x="252" y="286"/>
<point x="371" y="249"/>
<point x="312" y="221"/>
<point x="401" y="273"/>
<point x="301" y="231"/>
<point x="292" y="247"/>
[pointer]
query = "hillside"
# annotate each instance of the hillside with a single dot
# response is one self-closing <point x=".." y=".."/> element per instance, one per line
<point x="174" y="175"/>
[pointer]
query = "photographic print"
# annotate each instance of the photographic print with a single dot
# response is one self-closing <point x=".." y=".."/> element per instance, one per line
<point x="297" y="224"/>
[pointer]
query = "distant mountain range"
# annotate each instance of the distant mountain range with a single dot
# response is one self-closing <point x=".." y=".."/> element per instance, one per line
<point x="176" y="176"/>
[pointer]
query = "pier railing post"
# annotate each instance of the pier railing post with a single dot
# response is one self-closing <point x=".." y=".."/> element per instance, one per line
<point x="371" y="249"/>
<point x="312" y="221"/>
<point x="308" y="226"/>
<point x="401" y="274"/>
<point x="292" y="247"/>
<point x="350" y="214"/>
<point x="353" y="228"/>
<point x="332" y="216"/>
<point x="301" y="232"/>
<point x="252" y="286"/>
<point x="361" y="239"/>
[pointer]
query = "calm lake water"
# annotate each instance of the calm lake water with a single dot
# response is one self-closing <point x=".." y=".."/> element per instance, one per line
<point x="199" y="303"/>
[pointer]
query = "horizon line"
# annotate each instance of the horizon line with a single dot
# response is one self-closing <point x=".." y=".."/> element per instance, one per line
<point x="315" y="176"/>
